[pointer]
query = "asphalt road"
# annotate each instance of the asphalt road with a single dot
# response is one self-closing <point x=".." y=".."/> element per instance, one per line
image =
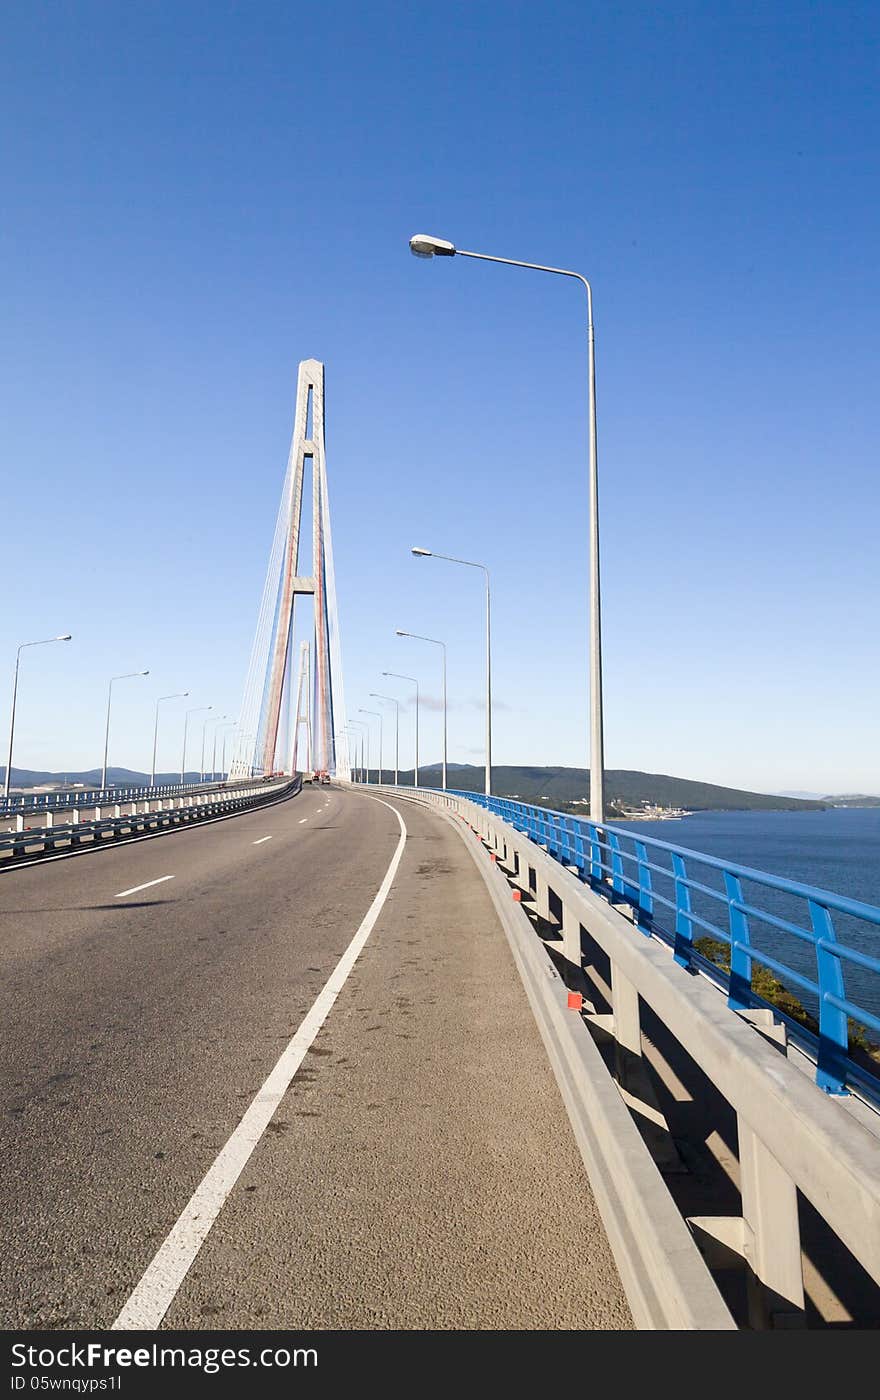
<point x="418" y="1172"/>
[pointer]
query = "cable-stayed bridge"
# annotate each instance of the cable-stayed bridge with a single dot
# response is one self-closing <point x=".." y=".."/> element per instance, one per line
<point x="371" y="1056"/>
<point x="274" y="703"/>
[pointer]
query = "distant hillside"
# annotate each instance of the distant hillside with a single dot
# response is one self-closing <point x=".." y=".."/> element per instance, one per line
<point x="624" y="788"/>
<point x="562" y="788"/>
<point x="91" y="777"/>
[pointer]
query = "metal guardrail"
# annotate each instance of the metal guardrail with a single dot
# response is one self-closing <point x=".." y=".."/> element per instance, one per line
<point x="180" y="811"/>
<point x="93" y="797"/>
<point x="791" y="1140"/>
<point x="671" y="902"/>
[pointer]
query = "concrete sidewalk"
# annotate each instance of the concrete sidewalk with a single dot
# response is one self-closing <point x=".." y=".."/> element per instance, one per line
<point x="421" y="1172"/>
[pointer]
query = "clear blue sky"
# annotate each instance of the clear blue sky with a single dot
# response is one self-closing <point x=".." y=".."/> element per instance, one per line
<point x="197" y="196"/>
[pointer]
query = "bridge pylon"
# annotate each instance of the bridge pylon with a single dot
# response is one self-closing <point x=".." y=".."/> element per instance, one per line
<point x="264" y="748"/>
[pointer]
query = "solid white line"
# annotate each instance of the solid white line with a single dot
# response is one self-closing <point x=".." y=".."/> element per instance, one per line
<point x="156" y="1291"/>
<point x="261" y="840"/>
<point x="134" y="889"/>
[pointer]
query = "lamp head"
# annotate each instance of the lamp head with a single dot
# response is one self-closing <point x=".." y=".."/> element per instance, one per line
<point x="400" y="632"/>
<point x="423" y="245"/>
<point x="423" y="553"/>
<point x="66" y="638"/>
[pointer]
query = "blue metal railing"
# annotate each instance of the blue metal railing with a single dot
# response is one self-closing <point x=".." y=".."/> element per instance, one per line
<point x="816" y="954"/>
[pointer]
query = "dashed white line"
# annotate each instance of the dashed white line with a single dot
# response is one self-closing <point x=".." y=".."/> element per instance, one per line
<point x="136" y="888"/>
<point x="302" y="820"/>
<point x="154" y="1294"/>
<point x="261" y="840"/>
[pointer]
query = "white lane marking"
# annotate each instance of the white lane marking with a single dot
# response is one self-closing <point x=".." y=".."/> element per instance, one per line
<point x="135" y="888"/>
<point x="302" y="820"/>
<point x="154" y="1294"/>
<point x="261" y="840"/>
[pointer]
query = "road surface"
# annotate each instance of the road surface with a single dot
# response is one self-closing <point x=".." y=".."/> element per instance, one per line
<point x="417" y="1172"/>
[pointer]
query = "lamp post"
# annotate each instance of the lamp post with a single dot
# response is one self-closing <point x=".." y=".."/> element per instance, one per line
<point x="233" y="725"/>
<point x="42" y="642"/>
<point x="124" y="677"/>
<point x="239" y="750"/>
<point x="365" y="729"/>
<point x="205" y="723"/>
<point x="352" y="738"/>
<point x="399" y="677"/>
<point x="215" y="722"/>
<point x="434" y="642"/>
<point x="391" y="701"/>
<point x="197" y="710"/>
<point x="244" y="740"/>
<point x="425" y="246"/>
<point x="469" y="563"/>
<point x="179" y="695"/>
<point x="378" y="716"/>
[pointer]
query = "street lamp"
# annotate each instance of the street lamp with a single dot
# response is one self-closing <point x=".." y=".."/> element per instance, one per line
<point x="215" y="722"/>
<point x="354" y="738"/>
<point x="434" y="642"/>
<point x="431" y="554"/>
<point x="197" y="710"/>
<point x="179" y="695"/>
<point x="43" y="641"/>
<point x="378" y="716"/>
<point x="211" y="720"/>
<point x="233" y="725"/>
<point x="397" y="676"/>
<point x="391" y="700"/>
<point x="423" y="245"/>
<point x="365" y="730"/>
<point x="359" y="735"/>
<point x="239" y="740"/>
<point x="124" y="677"/>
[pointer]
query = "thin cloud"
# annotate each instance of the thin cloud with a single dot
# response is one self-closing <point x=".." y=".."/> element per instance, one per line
<point x="433" y="702"/>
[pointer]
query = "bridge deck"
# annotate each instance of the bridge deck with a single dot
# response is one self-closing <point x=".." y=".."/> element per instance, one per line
<point x="420" y="1170"/>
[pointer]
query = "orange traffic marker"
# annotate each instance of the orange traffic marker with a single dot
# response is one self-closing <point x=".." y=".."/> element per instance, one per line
<point x="575" y="1001"/>
<point x="492" y="855"/>
<point x="517" y="894"/>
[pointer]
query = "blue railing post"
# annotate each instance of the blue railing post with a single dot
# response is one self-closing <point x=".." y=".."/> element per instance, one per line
<point x="740" y="986"/>
<point x="646" y="896"/>
<point x="556" y="836"/>
<point x="574" y="846"/>
<point x="684" y="928"/>
<point x="833" y="1028"/>
<point x="618" y="884"/>
<point x="595" y="855"/>
<point x="580" y="849"/>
